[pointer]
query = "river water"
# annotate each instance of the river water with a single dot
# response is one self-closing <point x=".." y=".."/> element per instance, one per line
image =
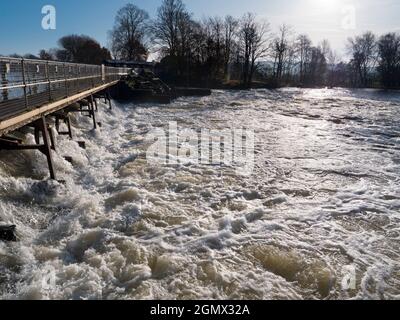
<point x="316" y="218"/>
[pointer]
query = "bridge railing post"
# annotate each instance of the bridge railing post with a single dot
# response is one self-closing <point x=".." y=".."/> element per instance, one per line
<point x="92" y="72"/>
<point x="65" y="79"/>
<point x="4" y="70"/>
<point x="24" y="82"/>
<point x="103" y="73"/>
<point x="48" y="80"/>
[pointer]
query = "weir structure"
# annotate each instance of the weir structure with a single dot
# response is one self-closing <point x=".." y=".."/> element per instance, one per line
<point x="38" y="93"/>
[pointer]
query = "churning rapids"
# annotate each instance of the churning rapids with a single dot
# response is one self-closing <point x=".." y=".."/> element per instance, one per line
<point x="317" y="219"/>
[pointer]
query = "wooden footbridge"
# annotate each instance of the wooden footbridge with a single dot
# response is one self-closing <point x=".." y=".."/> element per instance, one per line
<point x="39" y="93"/>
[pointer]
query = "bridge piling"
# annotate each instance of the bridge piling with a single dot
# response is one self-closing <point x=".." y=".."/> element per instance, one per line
<point x="64" y="116"/>
<point x="31" y="90"/>
<point x="52" y="139"/>
<point x="93" y="113"/>
<point x="46" y="147"/>
<point x="41" y="128"/>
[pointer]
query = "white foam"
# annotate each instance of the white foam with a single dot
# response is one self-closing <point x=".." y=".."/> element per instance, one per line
<point x="321" y="198"/>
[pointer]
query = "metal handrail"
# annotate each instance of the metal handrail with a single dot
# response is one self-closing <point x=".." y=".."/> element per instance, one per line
<point x="26" y="84"/>
<point x="55" y="81"/>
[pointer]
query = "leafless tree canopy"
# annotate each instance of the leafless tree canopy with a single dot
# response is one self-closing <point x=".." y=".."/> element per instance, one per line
<point x="389" y="60"/>
<point x="129" y="36"/>
<point x="169" y="24"/>
<point x="363" y="53"/>
<point x="253" y="41"/>
<point x="228" y="51"/>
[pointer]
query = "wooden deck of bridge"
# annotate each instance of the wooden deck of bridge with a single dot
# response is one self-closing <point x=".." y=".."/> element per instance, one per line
<point x="32" y="90"/>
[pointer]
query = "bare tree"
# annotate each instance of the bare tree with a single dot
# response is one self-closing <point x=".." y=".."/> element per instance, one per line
<point x="290" y="62"/>
<point x="185" y="36"/>
<point x="166" y="26"/>
<point x="215" y="46"/>
<point x="280" y="47"/>
<point x="317" y="68"/>
<point x="185" y="33"/>
<point x="389" y="59"/>
<point x="253" y="37"/>
<point x="230" y="27"/>
<point x="325" y="47"/>
<point x="46" y="55"/>
<point x="303" y="45"/>
<point x="214" y="49"/>
<point x="363" y="52"/>
<point x="128" y="37"/>
<point x="217" y="27"/>
<point x="332" y="60"/>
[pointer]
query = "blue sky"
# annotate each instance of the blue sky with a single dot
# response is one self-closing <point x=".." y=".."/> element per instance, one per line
<point x="21" y="31"/>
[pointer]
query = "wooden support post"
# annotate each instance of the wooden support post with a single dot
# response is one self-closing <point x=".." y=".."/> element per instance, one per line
<point x="68" y="121"/>
<point x="65" y="117"/>
<point x="86" y="103"/>
<point x="58" y="124"/>
<point x="40" y="126"/>
<point x="12" y="139"/>
<point x="51" y="135"/>
<point x="93" y="114"/>
<point x="93" y="101"/>
<point x="52" y="140"/>
<point x="109" y="98"/>
<point x="37" y="134"/>
<point x="46" y="148"/>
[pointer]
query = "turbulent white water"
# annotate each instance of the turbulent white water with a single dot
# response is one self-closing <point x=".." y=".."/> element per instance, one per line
<point x="322" y="205"/>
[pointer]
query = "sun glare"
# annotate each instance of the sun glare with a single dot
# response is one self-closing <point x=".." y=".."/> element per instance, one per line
<point x="325" y="4"/>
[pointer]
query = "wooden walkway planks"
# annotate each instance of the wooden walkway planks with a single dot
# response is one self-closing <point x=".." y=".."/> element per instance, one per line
<point x="30" y="116"/>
